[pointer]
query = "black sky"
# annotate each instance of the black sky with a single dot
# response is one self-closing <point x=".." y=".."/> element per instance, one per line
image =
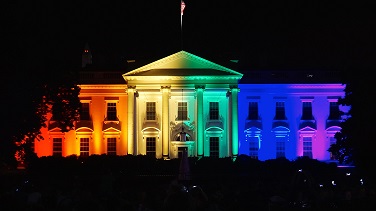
<point x="261" y="34"/>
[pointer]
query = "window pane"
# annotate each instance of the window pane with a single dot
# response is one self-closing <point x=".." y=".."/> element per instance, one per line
<point x="332" y="140"/>
<point x="280" y="111"/>
<point x="280" y="144"/>
<point x="84" y="114"/>
<point x="111" y="146"/>
<point x="150" y="111"/>
<point x="182" y="111"/>
<point x="214" y="147"/>
<point x="84" y="146"/>
<point x="181" y="150"/>
<point x="253" y="146"/>
<point x="253" y="111"/>
<point x="57" y="146"/>
<point x="307" y="146"/>
<point x="150" y="146"/>
<point x="214" y="111"/>
<point x="307" y="111"/>
<point x="334" y="113"/>
<point x="111" y="112"/>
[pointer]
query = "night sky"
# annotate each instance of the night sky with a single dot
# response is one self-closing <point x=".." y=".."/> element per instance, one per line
<point x="260" y="34"/>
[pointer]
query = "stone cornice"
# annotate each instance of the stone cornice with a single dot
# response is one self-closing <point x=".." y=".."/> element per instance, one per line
<point x="103" y="86"/>
<point x="181" y="78"/>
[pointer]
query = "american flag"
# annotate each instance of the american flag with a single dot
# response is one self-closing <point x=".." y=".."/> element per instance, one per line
<point x="182" y="6"/>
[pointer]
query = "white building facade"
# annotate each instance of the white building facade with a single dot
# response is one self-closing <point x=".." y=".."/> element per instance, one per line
<point x="184" y="103"/>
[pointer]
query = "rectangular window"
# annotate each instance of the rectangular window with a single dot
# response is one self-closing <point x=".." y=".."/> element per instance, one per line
<point x="85" y="112"/>
<point x="150" y="111"/>
<point x="150" y="146"/>
<point x="214" y="147"/>
<point x="182" y="111"/>
<point x="181" y="150"/>
<point x="57" y="146"/>
<point x="307" y="111"/>
<point x="253" y="147"/>
<point x="111" y="112"/>
<point x="84" y="147"/>
<point x="332" y="140"/>
<point x="214" y="111"/>
<point x="307" y="146"/>
<point x="280" y="147"/>
<point x="334" y="113"/>
<point x="280" y="111"/>
<point x="111" y="146"/>
<point x="253" y="111"/>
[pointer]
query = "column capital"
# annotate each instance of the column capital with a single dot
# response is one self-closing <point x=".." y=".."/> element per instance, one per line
<point x="131" y="89"/>
<point x="165" y="87"/>
<point x="234" y="86"/>
<point x="199" y="86"/>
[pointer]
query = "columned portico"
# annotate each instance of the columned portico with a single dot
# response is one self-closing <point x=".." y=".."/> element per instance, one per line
<point x="160" y="106"/>
<point x="200" y="120"/>
<point x="165" y="121"/>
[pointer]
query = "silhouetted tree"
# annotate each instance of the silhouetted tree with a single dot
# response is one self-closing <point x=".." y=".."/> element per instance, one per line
<point x="40" y="78"/>
<point x="29" y="100"/>
<point x="355" y="141"/>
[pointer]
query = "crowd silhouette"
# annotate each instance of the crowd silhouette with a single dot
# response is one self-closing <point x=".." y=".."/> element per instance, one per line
<point x="142" y="183"/>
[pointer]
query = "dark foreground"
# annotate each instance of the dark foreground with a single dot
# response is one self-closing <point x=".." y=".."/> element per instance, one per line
<point x="141" y="184"/>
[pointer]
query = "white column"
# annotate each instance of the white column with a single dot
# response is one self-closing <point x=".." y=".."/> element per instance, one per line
<point x="131" y="93"/>
<point x="200" y="120"/>
<point x="165" y="121"/>
<point x="234" y="122"/>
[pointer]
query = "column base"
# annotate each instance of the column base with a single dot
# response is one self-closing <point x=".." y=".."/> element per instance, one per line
<point x="165" y="157"/>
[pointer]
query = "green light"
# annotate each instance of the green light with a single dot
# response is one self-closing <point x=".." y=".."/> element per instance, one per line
<point x="200" y="120"/>
<point x="234" y="122"/>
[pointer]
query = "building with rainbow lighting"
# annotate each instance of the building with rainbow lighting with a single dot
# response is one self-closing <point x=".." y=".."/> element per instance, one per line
<point x="185" y="103"/>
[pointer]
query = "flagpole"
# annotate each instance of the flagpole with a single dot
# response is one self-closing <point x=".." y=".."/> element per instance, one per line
<point x="181" y="32"/>
<point x="182" y="6"/>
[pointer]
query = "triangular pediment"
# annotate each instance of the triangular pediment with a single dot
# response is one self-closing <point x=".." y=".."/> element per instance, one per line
<point x="182" y="63"/>
<point x="55" y="130"/>
<point x="111" y="126"/>
<point x="307" y="130"/>
<point x="111" y="130"/>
